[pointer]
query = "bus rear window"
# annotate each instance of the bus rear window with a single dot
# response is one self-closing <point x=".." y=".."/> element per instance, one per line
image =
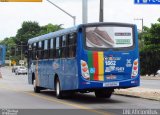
<point x="109" y="37"/>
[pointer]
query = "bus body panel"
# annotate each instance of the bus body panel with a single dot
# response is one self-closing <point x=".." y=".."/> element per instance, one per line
<point x="31" y="70"/>
<point x="107" y="69"/>
<point x="117" y="67"/>
<point x="121" y="76"/>
<point x="2" y="54"/>
<point x="66" y="69"/>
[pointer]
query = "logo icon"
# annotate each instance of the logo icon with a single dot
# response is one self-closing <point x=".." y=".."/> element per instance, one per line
<point x="147" y="1"/>
<point x="92" y="70"/>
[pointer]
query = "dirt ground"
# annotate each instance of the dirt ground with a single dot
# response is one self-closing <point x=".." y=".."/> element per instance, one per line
<point x="157" y="77"/>
<point x="153" y="94"/>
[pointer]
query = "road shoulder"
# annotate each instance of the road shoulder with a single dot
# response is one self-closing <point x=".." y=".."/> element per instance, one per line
<point x="146" y="93"/>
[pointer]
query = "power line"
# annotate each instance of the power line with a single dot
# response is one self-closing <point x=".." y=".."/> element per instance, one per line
<point x="74" y="18"/>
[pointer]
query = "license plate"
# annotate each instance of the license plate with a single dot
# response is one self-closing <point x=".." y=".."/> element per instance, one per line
<point x="110" y="84"/>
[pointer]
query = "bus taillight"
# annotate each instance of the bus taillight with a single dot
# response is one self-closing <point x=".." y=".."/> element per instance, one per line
<point x="83" y="63"/>
<point x="135" y="68"/>
<point x="84" y="70"/>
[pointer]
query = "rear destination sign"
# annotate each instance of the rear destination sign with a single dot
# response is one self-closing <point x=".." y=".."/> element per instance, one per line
<point x="147" y="1"/>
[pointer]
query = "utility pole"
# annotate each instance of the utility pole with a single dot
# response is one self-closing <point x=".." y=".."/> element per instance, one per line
<point x="101" y="11"/>
<point x="21" y="50"/>
<point x="73" y="17"/>
<point x="142" y="22"/>
<point x="84" y="11"/>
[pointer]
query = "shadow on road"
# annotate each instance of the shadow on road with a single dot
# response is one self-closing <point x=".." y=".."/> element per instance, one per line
<point x="82" y="98"/>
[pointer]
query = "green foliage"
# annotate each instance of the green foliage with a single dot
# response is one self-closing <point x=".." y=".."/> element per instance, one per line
<point x="28" y="30"/>
<point x="32" y="29"/>
<point x="49" y="28"/>
<point x="9" y="42"/>
<point x="150" y="49"/>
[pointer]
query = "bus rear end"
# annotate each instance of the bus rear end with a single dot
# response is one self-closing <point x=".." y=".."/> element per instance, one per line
<point x="109" y="57"/>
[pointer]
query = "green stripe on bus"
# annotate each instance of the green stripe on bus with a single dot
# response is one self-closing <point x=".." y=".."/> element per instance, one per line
<point x="90" y="64"/>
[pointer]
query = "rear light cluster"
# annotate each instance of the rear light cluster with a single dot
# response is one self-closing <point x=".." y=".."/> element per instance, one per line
<point x="84" y="70"/>
<point x="135" y="68"/>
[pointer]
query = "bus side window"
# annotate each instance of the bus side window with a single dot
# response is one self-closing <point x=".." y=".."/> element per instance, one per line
<point x="42" y="51"/>
<point x="0" y="54"/>
<point x="60" y="46"/>
<point x="30" y="51"/>
<point x="39" y="49"/>
<point x="34" y="51"/>
<point x="50" y="48"/>
<point x="63" y="49"/>
<point x="57" y="47"/>
<point x="54" y="48"/>
<point x="46" y="49"/>
<point x="72" y="44"/>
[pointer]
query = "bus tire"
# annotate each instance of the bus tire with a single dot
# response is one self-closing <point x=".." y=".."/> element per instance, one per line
<point x="59" y="93"/>
<point x="36" y="88"/>
<point x="103" y="93"/>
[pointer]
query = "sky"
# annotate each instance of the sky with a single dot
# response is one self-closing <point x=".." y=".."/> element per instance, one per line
<point x="12" y="14"/>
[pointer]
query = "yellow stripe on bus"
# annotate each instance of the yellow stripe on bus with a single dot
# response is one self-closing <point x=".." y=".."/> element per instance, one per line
<point x="101" y="66"/>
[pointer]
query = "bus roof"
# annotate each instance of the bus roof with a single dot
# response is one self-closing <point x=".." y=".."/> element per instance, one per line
<point x="52" y="34"/>
<point x="72" y="29"/>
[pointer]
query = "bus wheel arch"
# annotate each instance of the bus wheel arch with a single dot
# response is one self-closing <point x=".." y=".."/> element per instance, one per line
<point x="57" y="87"/>
<point x="33" y="77"/>
<point x="55" y="78"/>
<point x="37" y="89"/>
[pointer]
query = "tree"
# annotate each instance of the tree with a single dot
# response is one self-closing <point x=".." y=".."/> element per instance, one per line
<point x="28" y="30"/>
<point x="49" y="28"/>
<point x="9" y="43"/>
<point x="150" y="52"/>
<point x="32" y="29"/>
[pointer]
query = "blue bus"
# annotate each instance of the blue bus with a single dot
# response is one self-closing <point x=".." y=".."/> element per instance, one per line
<point x="2" y="54"/>
<point x="94" y="57"/>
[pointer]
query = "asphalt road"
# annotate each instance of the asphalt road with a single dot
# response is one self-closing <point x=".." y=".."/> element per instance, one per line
<point x="153" y="84"/>
<point x="15" y="93"/>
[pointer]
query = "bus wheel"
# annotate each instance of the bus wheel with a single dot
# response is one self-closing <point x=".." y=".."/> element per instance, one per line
<point x="104" y="93"/>
<point x="59" y="93"/>
<point x="36" y="88"/>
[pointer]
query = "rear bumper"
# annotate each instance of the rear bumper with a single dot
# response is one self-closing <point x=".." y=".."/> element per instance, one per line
<point x="134" y="82"/>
